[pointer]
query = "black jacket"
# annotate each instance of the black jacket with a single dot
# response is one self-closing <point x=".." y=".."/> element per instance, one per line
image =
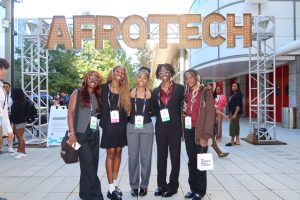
<point x="18" y="112"/>
<point x="174" y="107"/>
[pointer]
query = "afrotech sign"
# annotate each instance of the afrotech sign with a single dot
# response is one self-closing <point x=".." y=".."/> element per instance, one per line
<point x="100" y="28"/>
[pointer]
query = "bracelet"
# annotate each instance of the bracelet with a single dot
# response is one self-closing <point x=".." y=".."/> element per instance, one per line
<point x="72" y="133"/>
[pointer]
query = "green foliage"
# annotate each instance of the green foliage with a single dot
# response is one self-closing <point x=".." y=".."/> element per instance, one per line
<point x="144" y="58"/>
<point x="66" y="68"/>
<point x="102" y="60"/>
<point x="63" y="75"/>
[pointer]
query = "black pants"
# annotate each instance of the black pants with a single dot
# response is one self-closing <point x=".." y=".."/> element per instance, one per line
<point x="89" y="186"/>
<point x="168" y="140"/>
<point x="197" y="178"/>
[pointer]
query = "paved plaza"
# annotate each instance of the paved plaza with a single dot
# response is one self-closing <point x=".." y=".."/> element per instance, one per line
<point x="266" y="172"/>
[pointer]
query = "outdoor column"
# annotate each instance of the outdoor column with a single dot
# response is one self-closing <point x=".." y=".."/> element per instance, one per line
<point x="294" y="87"/>
<point x="181" y="66"/>
<point x="242" y="80"/>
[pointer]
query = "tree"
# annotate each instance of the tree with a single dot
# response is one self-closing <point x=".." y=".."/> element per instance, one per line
<point x="102" y="60"/>
<point x="144" y="58"/>
<point x="63" y="75"/>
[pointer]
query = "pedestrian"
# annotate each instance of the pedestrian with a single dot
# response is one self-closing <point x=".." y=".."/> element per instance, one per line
<point x="140" y="132"/>
<point x="167" y="103"/>
<point x="220" y="102"/>
<point x="84" y="105"/>
<point x="235" y="112"/>
<point x="64" y="99"/>
<point x="7" y="88"/>
<point x="5" y="127"/>
<point x="214" y="144"/>
<point x="199" y="112"/>
<point x="116" y="107"/>
<point x="18" y="118"/>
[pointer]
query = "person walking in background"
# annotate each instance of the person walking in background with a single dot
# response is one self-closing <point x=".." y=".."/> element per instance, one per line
<point x="140" y="132"/>
<point x="18" y="118"/>
<point x="235" y="111"/>
<point x="116" y="106"/>
<point x="167" y="103"/>
<point x="84" y="106"/>
<point x="64" y="99"/>
<point x="215" y="145"/>
<point x="199" y="117"/>
<point x="5" y="127"/>
<point x="220" y="102"/>
<point x="7" y="89"/>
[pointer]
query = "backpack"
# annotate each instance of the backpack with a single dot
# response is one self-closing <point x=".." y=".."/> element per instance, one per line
<point x="31" y="112"/>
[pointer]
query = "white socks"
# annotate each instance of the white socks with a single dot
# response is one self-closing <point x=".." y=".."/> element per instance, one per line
<point x="115" y="182"/>
<point x="111" y="188"/>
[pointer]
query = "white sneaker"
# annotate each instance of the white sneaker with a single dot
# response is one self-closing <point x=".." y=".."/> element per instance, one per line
<point x="14" y="154"/>
<point x="11" y="150"/>
<point x="20" y="155"/>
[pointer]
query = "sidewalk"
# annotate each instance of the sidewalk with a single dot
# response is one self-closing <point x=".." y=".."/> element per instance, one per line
<point x="265" y="172"/>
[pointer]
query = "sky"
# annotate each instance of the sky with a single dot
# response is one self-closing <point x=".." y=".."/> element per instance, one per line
<point x="119" y="8"/>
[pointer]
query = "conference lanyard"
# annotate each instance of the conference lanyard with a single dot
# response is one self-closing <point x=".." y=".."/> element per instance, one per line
<point x="167" y="96"/>
<point x="135" y="105"/>
<point x="108" y="98"/>
<point x="193" y="99"/>
<point x="93" y="122"/>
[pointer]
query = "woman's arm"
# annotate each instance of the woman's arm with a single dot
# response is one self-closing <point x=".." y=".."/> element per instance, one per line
<point x="71" y="113"/>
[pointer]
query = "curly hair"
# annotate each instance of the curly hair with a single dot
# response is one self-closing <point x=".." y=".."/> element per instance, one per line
<point x="167" y="66"/>
<point x="84" y="94"/>
<point x="124" y="89"/>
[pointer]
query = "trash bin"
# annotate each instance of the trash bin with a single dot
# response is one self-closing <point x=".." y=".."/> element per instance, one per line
<point x="288" y="116"/>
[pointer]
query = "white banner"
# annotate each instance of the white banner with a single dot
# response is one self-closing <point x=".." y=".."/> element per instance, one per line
<point x="58" y="124"/>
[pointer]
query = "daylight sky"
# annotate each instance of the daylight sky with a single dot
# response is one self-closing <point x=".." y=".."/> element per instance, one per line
<point x="119" y="8"/>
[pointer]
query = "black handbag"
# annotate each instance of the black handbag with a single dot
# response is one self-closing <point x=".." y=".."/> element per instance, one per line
<point x="68" y="153"/>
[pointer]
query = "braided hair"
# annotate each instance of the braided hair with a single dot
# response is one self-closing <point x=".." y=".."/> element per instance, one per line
<point x="200" y="84"/>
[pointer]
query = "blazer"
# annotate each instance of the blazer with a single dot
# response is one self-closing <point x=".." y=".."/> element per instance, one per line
<point x="174" y="107"/>
<point x="207" y="114"/>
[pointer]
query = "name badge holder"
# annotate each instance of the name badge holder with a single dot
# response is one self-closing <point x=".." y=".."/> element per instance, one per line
<point x="164" y="112"/>
<point x="139" y="119"/>
<point x="114" y="114"/>
<point x="188" y="122"/>
<point x="93" y="122"/>
<point x="188" y="119"/>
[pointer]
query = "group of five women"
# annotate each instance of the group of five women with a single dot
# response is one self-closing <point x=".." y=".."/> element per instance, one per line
<point x="125" y="118"/>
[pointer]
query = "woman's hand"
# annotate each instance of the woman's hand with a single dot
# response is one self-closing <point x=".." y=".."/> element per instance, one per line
<point x="72" y="139"/>
<point x="233" y="117"/>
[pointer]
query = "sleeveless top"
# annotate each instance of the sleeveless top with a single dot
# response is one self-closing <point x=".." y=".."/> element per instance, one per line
<point x="84" y="114"/>
<point x="140" y="105"/>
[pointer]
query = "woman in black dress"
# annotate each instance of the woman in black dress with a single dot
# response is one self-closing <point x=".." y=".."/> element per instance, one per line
<point x="115" y="107"/>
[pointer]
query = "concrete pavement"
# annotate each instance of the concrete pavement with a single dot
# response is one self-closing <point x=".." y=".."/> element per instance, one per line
<point x="265" y="172"/>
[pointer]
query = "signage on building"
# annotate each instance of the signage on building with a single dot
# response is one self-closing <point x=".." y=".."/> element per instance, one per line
<point x="100" y="28"/>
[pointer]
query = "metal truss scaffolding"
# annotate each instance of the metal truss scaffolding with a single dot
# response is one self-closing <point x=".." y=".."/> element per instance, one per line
<point x="34" y="68"/>
<point x="262" y="68"/>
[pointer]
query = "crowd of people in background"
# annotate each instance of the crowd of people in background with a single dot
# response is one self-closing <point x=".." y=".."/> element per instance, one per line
<point x="191" y="112"/>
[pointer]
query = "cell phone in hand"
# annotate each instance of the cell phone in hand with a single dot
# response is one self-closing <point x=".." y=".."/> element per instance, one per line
<point x="76" y="145"/>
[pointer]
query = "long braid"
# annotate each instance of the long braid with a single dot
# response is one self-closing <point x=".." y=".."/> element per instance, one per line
<point x="186" y="88"/>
